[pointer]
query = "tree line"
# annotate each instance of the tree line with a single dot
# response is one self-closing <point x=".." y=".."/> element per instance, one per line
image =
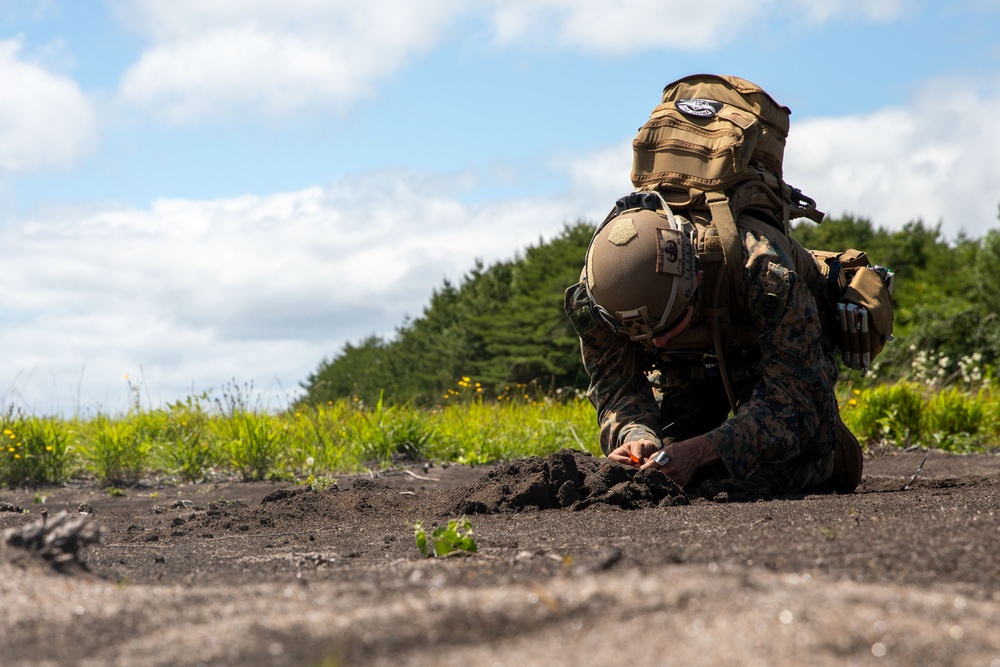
<point x="503" y="325"/>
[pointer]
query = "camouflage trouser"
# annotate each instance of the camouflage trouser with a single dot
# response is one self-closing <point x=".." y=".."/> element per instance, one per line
<point x="694" y="407"/>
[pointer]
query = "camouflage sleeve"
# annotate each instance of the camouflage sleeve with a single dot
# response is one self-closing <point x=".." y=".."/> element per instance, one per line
<point x="790" y="408"/>
<point x="619" y="389"/>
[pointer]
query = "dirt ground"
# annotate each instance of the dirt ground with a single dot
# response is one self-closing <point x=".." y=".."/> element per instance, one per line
<point x="578" y="564"/>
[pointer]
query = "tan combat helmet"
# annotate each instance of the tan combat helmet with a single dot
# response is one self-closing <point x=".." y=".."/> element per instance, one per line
<point x="642" y="269"/>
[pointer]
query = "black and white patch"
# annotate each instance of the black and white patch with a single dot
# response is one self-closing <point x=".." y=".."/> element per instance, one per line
<point x="698" y="107"/>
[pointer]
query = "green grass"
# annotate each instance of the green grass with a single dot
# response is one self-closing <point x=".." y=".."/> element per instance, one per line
<point x="198" y="439"/>
<point x="907" y="414"/>
<point x="33" y="450"/>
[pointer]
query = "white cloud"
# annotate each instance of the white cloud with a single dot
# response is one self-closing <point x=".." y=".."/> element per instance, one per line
<point x="11" y="10"/>
<point x="45" y="120"/>
<point x="934" y="159"/>
<point x="821" y="12"/>
<point x="631" y="26"/>
<point x="198" y="293"/>
<point x="229" y="59"/>
<point x="623" y="27"/>
<point x="600" y="178"/>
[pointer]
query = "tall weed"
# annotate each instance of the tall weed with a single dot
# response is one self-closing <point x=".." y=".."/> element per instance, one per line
<point x="893" y="413"/>
<point x="185" y="448"/>
<point x="33" y="450"/>
<point x="388" y="432"/>
<point x="254" y="445"/>
<point x="116" y="451"/>
<point x="953" y="419"/>
<point x="320" y="440"/>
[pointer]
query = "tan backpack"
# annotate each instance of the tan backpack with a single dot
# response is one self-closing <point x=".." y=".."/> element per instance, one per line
<point x="717" y="143"/>
<point x="707" y="132"/>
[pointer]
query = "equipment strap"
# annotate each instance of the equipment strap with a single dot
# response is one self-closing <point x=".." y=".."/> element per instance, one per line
<point x="722" y="218"/>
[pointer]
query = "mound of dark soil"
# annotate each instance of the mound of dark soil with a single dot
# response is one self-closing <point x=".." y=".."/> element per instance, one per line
<point x="567" y="479"/>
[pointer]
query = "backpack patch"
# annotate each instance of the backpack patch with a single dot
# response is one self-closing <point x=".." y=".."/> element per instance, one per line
<point x="698" y="107"/>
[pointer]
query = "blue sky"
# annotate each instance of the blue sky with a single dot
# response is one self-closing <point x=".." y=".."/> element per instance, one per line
<point x="199" y="191"/>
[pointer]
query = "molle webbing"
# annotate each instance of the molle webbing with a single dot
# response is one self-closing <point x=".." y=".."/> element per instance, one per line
<point x="708" y="133"/>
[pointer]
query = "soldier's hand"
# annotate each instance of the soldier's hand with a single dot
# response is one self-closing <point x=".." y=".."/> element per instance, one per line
<point x="685" y="457"/>
<point x="635" y="453"/>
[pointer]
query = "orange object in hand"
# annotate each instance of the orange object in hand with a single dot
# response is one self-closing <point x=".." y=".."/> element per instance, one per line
<point x="634" y="458"/>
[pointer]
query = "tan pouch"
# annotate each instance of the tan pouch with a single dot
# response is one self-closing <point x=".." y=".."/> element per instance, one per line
<point x="868" y="291"/>
<point x="708" y="154"/>
<point x="863" y="303"/>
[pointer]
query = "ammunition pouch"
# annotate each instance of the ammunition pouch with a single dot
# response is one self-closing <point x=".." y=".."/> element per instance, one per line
<point x="863" y="297"/>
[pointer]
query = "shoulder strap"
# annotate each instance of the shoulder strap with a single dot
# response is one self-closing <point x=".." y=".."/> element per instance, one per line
<point x="722" y="218"/>
<point x="732" y="248"/>
<point x="729" y="235"/>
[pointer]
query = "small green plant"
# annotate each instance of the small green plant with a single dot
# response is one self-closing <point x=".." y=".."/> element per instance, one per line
<point x="115" y="492"/>
<point x="320" y="484"/>
<point x="455" y="537"/>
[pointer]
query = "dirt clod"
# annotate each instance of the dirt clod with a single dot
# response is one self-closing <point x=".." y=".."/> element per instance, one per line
<point x="568" y="479"/>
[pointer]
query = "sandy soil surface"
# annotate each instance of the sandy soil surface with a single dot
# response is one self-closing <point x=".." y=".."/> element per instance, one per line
<point x="578" y="564"/>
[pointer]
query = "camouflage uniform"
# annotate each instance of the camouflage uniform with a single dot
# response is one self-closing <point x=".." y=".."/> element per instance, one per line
<point x="783" y="433"/>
